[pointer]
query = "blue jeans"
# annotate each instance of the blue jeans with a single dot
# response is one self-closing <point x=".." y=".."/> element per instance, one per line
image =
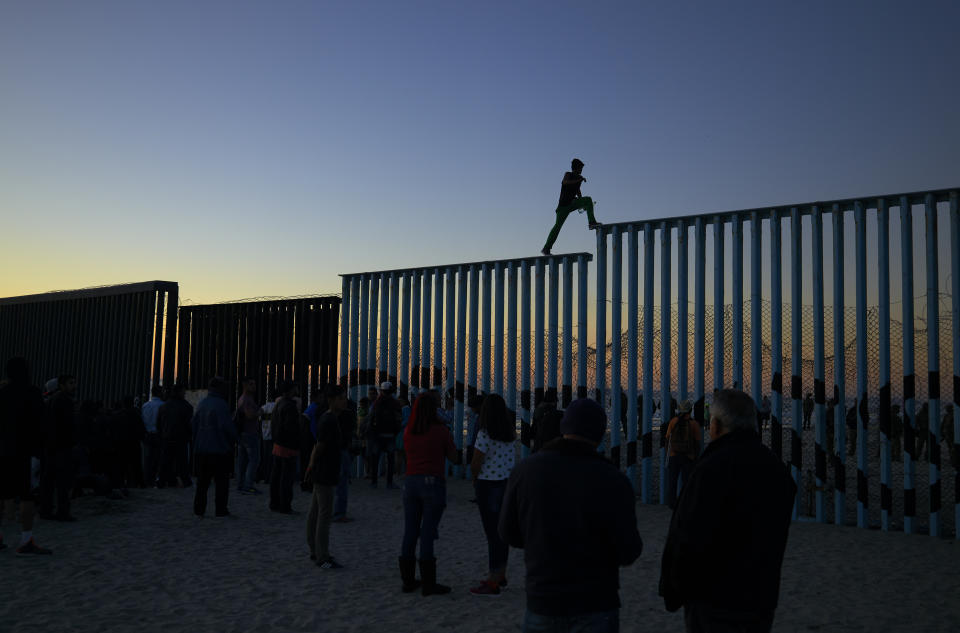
<point x="676" y="466"/>
<point x="424" y="499"/>
<point x="248" y="460"/>
<point x="489" y="501"/>
<point x="343" y="486"/>
<point x="599" y="622"/>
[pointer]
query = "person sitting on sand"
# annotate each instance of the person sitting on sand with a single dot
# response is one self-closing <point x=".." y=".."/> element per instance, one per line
<point x="725" y="546"/>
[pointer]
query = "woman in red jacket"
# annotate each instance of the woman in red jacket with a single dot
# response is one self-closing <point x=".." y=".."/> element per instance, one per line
<point x="428" y="444"/>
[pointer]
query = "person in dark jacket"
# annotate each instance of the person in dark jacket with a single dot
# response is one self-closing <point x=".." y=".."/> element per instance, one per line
<point x="285" y="429"/>
<point x="724" y="550"/>
<point x="214" y="435"/>
<point x="572" y="512"/>
<point x="130" y="432"/>
<point x="546" y="421"/>
<point x="173" y="427"/>
<point x="59" y="442"/>
<point x="21" y="416"/>
<point x="323" y="474"/>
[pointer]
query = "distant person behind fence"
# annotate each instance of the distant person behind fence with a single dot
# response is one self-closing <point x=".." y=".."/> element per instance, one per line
<point x="724" y="550"/>
<point x="684" y="440"/>
<point x="572" y="512"/>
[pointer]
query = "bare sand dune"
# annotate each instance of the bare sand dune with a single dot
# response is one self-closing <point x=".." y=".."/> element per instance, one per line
<point x="146" y="564"/>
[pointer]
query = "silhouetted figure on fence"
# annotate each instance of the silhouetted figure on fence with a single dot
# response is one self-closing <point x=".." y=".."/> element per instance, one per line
<point x="725" y="547"/>
<point x="572" y="512"/>
<point x="21" y="438"/>
<point x="214" y="436"/>
<point x="571" y="200"/>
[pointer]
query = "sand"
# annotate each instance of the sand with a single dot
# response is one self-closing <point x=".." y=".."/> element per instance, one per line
<point x="147" y="564"/>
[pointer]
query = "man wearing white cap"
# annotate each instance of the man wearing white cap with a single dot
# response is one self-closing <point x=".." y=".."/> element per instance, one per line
<point x="384" y="423"/>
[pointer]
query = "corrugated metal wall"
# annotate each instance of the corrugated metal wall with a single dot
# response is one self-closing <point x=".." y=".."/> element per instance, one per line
<point x="111" y="338"/>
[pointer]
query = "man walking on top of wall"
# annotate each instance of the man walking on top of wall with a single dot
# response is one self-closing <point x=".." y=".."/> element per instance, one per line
<point x="571" y="200"/>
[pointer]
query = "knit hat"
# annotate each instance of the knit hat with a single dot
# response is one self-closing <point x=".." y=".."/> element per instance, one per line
<point x="586" y="418"/>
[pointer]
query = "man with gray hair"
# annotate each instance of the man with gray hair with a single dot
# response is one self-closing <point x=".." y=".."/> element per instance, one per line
<point x="724" y="550"/>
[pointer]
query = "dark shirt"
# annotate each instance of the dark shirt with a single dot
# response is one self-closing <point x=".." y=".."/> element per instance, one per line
<point x="61" y="433"/>
<point x="729" y="532"/>
<point x="21" y="418"/>
<point x="173" y="420"/>
<point x="326" y="470"/>
<point x="285" y="424"/>
<point x="572" y="512"/>
<point x="569" y="192"/>
<point x="546" y="425"/>
<point x="347" y="420"/>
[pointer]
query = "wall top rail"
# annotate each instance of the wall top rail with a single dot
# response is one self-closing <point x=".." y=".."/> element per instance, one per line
<point x="516" y="260"/>
<point x="805" y="208"/>
<point x="324" y="299"/>
<point x="88" y="293"/>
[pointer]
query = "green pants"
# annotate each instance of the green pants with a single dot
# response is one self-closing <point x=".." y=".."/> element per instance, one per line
<point x="585" y="203"/>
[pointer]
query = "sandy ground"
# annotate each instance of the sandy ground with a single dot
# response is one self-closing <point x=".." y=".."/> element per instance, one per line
<point x="146" y="564"/>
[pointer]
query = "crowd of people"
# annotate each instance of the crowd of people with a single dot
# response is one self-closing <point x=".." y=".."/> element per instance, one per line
<point x="566" y="505"/>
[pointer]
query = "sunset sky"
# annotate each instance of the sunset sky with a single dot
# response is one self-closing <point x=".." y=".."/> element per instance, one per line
<point x="245" y="149"/>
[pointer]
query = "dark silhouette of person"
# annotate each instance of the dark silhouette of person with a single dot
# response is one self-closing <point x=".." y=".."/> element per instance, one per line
<point x="571" y="200"/>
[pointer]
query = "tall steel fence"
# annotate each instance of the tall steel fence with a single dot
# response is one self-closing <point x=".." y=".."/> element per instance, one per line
<point x="270" y="341"/>
<point x="862" y="351"/>
<point x="428" y="328"/>
<point x="117" y="340"/>
<point x="796" y="230"/>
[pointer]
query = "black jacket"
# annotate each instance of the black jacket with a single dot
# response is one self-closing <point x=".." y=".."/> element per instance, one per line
<point x="285" y="424"/>
<point x="173" y="420"/>
<point x="573" y="513"/>
<point x="729" y="531"/>
<point x="21" y="420"/>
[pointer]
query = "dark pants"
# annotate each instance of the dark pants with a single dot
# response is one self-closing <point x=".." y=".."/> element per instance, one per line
<point x="700" y="618"/>
<point x="56" y="476"/>
<point x="133" y="464"/>
<point x="489" y="501"/>
<point x="266" y="461"/>
<point x="281" y="483"/>
<point x="424" y="499"/>
<point x="384" y="444"/>
<point x="597" y="622"/>
<point x="248" y="460"/>
<point x="173" y="464"/>
<point x="217" y="468"/>
<point x="151" y="458"/>
<point x="677" y="465"/>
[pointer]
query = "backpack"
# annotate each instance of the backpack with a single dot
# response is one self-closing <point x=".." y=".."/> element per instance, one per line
<point x="682" y="441"/>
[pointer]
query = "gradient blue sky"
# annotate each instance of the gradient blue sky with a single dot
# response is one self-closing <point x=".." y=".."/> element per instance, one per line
<point x="261" y="148"/>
